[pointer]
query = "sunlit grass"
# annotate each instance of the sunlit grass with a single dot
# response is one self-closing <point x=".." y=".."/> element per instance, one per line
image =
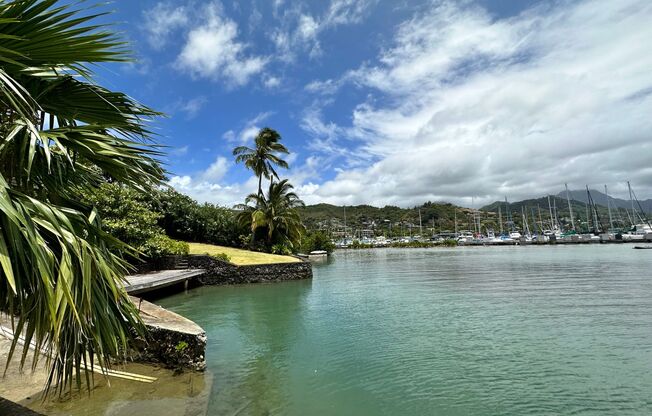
<point x="240" y="257"/>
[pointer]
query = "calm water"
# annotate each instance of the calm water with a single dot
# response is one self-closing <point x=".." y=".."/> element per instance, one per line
<point x="466" y="331"/>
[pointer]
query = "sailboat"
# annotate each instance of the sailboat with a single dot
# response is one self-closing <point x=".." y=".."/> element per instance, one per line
<point x="641" y="228"/>
<point x="513" y="233"/>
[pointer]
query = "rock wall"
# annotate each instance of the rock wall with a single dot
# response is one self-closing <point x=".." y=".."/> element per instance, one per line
<point x="220" y="272"/>
<point x="172" y="340"/>
<point x="163" y="263"/>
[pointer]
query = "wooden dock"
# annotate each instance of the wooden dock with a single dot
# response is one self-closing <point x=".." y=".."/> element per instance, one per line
<point x="141" y="283"/>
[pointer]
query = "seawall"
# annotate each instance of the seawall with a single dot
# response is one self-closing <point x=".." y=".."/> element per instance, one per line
<point x="219" y="272"/>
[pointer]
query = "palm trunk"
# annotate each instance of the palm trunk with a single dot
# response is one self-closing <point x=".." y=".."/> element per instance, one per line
<point x="260" y="185"/>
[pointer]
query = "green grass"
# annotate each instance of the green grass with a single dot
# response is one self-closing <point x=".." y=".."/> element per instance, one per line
<point x="240" y="257"/>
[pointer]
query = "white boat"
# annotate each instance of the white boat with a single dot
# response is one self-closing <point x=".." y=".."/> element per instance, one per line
<point x="515" y="235"/>
<point x="640" y="232"/>
<point x="464" y="237"/>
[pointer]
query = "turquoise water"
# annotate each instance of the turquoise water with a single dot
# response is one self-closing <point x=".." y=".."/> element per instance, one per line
<point x="462" y="331"/>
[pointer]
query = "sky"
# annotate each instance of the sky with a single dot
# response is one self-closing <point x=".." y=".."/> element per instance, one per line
<point x="397" y="102"/>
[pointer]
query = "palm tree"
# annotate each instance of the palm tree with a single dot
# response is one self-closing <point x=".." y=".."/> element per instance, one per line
<point x="60" y="134"/>
<point x="262" y="158"/>
<point x="275" y="214"/>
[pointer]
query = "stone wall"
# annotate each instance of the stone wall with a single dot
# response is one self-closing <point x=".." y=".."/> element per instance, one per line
<point x="163" y="263"/>
<point x="219" y="272"/>
<point x="172" y="340"/>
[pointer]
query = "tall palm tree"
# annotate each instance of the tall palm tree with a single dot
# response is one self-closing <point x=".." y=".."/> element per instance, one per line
<point x="61" y="133"/>
<point x="275" y="213"/>
<point x="263" y="157"/>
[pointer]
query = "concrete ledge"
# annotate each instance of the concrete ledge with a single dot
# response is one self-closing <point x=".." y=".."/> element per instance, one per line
<point x="219" y="272"/>
<point x="10" y="408"/>
<point x="172" y="340"/>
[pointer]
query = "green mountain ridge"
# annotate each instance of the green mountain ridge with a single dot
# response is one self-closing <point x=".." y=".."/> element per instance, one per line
<point x="445" y="217"/>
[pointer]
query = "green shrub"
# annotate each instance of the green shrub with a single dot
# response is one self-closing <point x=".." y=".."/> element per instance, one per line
<point x="161" y="245"/>
<point x="449" y="243"/>
<point x="183" y="218"/>
<point x="222" y="256"/>
<point x="281" y="249"/>
<point x="126" y="213"/>
<point x="317" y="240"/>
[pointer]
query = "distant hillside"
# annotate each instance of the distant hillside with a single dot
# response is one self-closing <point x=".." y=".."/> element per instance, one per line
<point x="601" y="199"/>
<point x="440" y="217"/>
<point x="380" y="220"/>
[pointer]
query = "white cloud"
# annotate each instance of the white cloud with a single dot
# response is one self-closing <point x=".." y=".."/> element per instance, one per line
<point x="216" y="170"/>
<point x="213" y="184"/>
<point x="271" y="82"/>
<point x="162" y="20"/>
<point x="192" y="107"/>
<point x="214" y="192"/>
<point x="301" y="30"/>
<point x="463" y="104"/>
<point x="213" y="51"/>
<point x="250" y="129"/>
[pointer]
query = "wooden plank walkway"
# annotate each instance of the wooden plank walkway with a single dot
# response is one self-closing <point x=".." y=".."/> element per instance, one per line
<point x="141" y="283"/>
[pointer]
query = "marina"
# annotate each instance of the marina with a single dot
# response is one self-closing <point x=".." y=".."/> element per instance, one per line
<point x="532" y="224"/>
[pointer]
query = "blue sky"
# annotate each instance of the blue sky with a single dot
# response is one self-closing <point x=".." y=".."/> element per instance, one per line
<point x="398" y="102"/>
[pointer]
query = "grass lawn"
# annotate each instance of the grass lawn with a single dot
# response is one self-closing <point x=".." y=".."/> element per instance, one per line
<point x="239" y="256"/>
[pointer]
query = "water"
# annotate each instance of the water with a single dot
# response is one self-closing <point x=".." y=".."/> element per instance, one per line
<point x="462" y="331"/>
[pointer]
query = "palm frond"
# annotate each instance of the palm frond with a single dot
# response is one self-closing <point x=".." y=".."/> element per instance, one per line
<point x="60" y="276"/>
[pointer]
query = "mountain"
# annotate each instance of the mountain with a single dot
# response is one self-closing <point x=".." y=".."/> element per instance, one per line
<point x="445" y="217"/>
<point x="539" y="212"/>
<point x="601" y="199"/>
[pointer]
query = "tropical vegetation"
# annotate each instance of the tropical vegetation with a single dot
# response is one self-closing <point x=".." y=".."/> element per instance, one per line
<point x="183" y="218"/>
<point x="317" y="240"/>
<point x="61" y="133"/>
<point x="130" y="215"/>
<point x="273" y="218"/>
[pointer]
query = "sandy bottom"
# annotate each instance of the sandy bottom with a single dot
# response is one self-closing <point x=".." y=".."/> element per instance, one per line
<point x="186" y="394"/>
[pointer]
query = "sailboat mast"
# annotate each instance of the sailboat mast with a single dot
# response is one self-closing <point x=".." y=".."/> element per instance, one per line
<point x="570" y="207"/>
<point x="540" y="218"/>
<point x="500" y="219"/>
<point x="479" y="223"/>
<point x="455" y="216"/>
<point x="344" y="221"/>
<point x="611" y="220"/>
<point x="475" y="223"/>
<point x="631" y="199"/>
<point x="552" y="224"/>
<point x="510" y="220"/>
<point x="420" y="225"/>
<point x="594" y="211"/>
<point x="641" y="214"/>
<point x="588" y="218"/>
